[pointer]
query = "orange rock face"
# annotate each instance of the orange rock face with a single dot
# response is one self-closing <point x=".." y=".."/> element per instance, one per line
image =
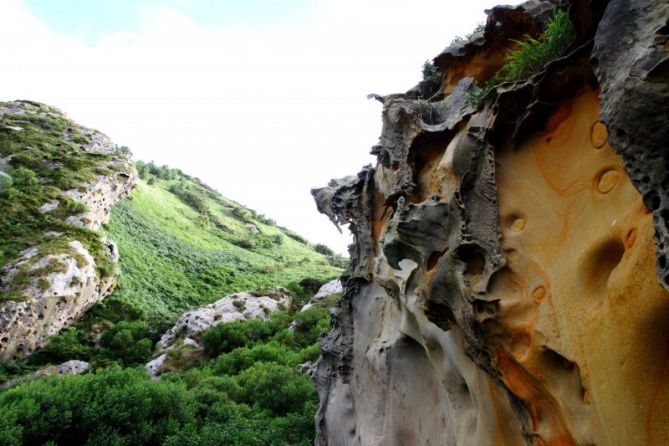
<point x="510" y="269"/>
<point x="577" y="311"/>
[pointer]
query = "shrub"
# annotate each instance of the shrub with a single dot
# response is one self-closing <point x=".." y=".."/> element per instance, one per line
<point x="242" y="213"/>
<point x="223" y="338"/>
<point x="112" y="406"/>
<point x="127" y="341"/>
<point x="242" y="358"/>
<point x="310" y="325"/>
<point x="323" y="249"/>
<point x="300" y="294"/>
<point x="142" y="170"/>
<point x="276" y="388"/>
<point x="192" y="198"/>
<point x="532" y="54"/>
<point x="68" y="344"/>
<point x="24" y="178"/>
<point x="277" y="239"/>
<point x="338" y="261"/>
<point x="430" y="72"/>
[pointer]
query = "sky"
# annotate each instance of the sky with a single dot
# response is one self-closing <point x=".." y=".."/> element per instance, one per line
<point x="260" y="99"/>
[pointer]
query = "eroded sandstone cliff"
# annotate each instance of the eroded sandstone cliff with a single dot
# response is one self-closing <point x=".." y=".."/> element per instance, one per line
<point x="510" y="275"/>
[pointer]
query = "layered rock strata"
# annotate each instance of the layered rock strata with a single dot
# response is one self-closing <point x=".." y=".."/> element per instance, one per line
<point x="509" y="266"/>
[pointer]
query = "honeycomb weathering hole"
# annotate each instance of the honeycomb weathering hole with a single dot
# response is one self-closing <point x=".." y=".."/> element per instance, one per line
<point x="597" y="267"/>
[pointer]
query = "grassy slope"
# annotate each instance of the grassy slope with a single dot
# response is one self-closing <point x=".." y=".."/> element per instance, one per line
<point x="174" y="258"/>
<point x="181" y="245"/>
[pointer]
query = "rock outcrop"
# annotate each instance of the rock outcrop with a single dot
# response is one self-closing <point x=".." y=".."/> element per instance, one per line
<point x="67" y="268"/>
<point x="236" y="307"/>
<point x="72" y="367"/>
<point x="329" y="289"/>
<point x="509" y="267"/>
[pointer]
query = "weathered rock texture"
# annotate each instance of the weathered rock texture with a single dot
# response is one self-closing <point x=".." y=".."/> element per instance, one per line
<point x="59" y="286"/>
<point x="189" y="326"/>
<point x="509" y="277"/>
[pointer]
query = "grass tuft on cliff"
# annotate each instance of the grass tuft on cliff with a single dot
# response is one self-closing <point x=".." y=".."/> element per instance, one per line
<point x="530" y="55"/>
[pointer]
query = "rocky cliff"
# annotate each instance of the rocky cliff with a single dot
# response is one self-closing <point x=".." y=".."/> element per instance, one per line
<point x="60" y="181"/>
<point x="509" y="278"/>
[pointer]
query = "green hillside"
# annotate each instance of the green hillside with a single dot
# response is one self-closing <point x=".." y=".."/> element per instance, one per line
<point x="183" y="245"/>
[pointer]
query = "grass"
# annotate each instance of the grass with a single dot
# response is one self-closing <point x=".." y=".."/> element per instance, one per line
<point x="173" y="258"/>
<point x="43" y="165"/>
<point x="181" y="245"/>
<point x="530" y="55"/>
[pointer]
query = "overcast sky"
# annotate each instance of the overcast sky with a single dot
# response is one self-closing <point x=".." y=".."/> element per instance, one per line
<point x="261" y="99"/>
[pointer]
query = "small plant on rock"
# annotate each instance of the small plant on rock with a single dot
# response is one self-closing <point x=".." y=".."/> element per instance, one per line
<point x="530" y="55"/>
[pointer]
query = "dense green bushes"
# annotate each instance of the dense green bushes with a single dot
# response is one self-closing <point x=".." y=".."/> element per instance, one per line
<point x="268" y="404"/>
<point x="125" y="342"/>
<point x="112" y="406"/>
<point x="249" y="394"/>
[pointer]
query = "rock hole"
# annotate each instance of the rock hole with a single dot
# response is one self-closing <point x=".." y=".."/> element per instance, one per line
<point x="598" y="266"/>
<point x="473" y="258"/>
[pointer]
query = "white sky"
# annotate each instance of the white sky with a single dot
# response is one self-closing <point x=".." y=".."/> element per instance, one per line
<point x="262" y="113"/>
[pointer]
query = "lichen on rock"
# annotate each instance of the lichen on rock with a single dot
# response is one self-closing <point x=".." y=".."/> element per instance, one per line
<point x="503" y="287"/>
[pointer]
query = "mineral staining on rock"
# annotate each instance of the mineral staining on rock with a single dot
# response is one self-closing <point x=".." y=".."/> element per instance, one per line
<point x="61" y="181"/>
<point x="504" y="287"/>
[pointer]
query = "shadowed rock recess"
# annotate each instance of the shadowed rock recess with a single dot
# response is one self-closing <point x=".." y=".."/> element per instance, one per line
<point x="509" y="267"/>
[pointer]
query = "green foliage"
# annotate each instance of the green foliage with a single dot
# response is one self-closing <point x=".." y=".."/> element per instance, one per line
<point x="223" y="338"/>
<point x="169" y="264"/>
<point x="468" y="37"/>
<point x="24" y="179"/>
<point x="242" y="213"/>
<point x="531" y="54"/>
<point x="430" y="72"/>
<point x="277" y="239"/>
<point x="323" y="249"/>
<point x="300" y="294"/>
<point x="112" y="406"/>
<point x="44" y="165"/>
<point x="239" y="359"/>
<point x="251" y="394"/>
<point x="177" y="239"/>
<point x="192" y="198"/>
<point x="310" y="325"/>
<point x="126" y="342"/>
<point x="275" y="387"/>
